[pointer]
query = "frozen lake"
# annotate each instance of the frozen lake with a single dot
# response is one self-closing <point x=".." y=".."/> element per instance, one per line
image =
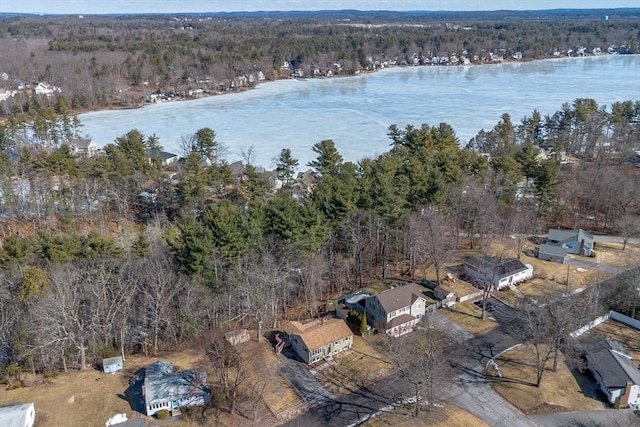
<point x="355" y="112"/>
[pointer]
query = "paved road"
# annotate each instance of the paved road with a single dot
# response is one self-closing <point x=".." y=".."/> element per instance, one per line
<point x="468" y="390"/>
<point x="603" y="418"/>
<point x="312" y="391"/>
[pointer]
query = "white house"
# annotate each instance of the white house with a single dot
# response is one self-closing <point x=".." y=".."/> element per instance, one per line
<point x="165" y="389"/>
<point x="320" y="338"/>
<point x="395" y="311"/>
<point x="83" y="147"/>
<point x="112" y="364"/>
<point x="46" y="89"/>
<point x="614" y="372"/>
<point x="500" y="273"/>
<point x="23" y="415"/>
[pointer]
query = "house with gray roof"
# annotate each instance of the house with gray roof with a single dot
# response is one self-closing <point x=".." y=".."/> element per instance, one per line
<point x="165" y="389"/>
<point x="552" y="253"/>
<point x="614" y="372"/>
<point x="500" y="273"/>
<point x="395" y="311"/>
<point x="23" y="415"/>
<point x="577" y="242"/>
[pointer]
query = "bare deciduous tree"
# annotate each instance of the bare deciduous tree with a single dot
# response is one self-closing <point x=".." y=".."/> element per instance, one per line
<point x="429" y="238"/>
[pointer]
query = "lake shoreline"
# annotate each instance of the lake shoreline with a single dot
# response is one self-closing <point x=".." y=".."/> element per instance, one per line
<point x="304" y="79"/>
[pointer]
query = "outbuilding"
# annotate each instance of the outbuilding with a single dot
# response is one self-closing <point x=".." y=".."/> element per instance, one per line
<point x="23" y="415"/>
<point x="112" y="364"/>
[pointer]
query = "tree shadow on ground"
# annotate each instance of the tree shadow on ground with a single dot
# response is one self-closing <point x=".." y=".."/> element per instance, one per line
<point x="133" y="393"/>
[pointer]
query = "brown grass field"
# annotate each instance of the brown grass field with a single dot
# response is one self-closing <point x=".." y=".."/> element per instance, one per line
<point x="89" y="398"/>
<point x="469" y="318"/>
<point x="560" y="391"/>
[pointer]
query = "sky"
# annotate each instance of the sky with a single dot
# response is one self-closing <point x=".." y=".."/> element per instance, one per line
<point x="195" y="6"/>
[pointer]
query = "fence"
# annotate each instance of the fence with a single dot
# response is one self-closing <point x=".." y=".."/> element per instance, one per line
<point x="472" y="295"/>
<point x="625" y="319"/>
<point x="613" y="315"/>
<point x="595" y="322"/>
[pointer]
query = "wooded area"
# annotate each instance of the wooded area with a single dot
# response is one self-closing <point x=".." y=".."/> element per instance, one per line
<point x="118" y="253"/>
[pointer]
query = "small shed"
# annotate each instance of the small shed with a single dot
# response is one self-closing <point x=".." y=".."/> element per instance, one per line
<point x="112" y="364"/>
<point x="445" y="295"/>
<point x="237" y="337"/>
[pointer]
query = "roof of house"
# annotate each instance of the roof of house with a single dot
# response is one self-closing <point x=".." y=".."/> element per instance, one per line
<point x="499" y="268"/>
<point x="443" y="290"/>
<point x="608" y="358"/>
<point x="400" y="320"/>
<point x="550" y="250"/>
<point x="569" y="235"/>
<point x="399" y="297"/>
<point x="80" y="142"/>
<point x="162" y="384"/>
<point x="320" y="332"/>
<point x="112" y="360"/>
<point x="14" y="415"/>
<point x="162" y="155"/>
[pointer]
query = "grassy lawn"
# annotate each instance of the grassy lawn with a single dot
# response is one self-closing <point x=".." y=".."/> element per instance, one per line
<point x="560" y="391"/>
<point x="354" y="369"/>
<point x="279" y="394"/>
<point x="626" y="335"/>
<point x="89" y="398"/>
<point x="468" y="317"/>
<point x="612" y="254"/>
<point x="447" y="416"/>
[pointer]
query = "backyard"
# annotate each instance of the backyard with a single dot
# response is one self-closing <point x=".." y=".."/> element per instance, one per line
<point x="562" y="391"/>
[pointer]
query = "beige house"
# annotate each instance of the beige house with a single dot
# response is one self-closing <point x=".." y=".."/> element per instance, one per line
<point x="83" y="147"/>
<point x="315" y="340"/>
<point x="395" y="311"/>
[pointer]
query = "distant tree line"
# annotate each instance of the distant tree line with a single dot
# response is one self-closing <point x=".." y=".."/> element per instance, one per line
<point x="96" y="61"/>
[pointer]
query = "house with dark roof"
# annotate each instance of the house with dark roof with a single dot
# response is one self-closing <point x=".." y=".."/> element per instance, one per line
<point x="613" y="369"/>
<point x="321" y="338"/>
<point x="23" y="415"/>
<point x="500" y="273"/>
<point x="577" y="242"/>
<point x="165" y="158"/>
<point x="165" y="389"/>
<point x="395" y="311"/>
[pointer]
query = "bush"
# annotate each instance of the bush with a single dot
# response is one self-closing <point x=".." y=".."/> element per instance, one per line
<point x="163" y="414"/>
<point x="15" y="385"/>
